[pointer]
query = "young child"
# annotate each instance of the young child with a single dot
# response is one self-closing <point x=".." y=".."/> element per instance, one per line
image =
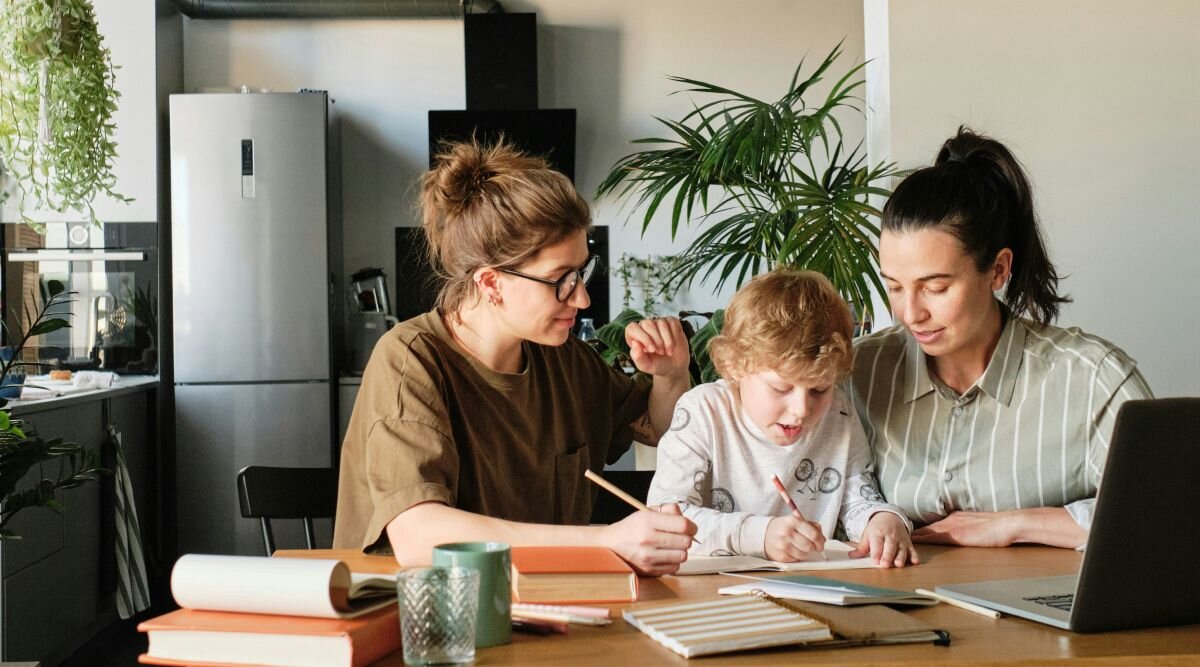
<point x="785" y="345"/>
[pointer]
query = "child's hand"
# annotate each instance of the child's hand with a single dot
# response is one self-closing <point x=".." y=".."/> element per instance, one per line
<point x="790" y="539"/>
<point x="886" y="539"/>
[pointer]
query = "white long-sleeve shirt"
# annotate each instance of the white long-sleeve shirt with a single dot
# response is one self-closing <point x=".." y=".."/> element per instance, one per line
<point x="717" y="465"/>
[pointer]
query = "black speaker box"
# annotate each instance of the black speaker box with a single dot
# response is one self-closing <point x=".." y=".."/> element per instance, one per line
<point x="598" y="287"/>
<point x="416" y="288"/>
<point x="549" y="133"/>
<point x="501" y="60"/>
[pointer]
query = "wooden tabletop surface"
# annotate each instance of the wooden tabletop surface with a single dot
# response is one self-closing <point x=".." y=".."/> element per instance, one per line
<point x="974" y="639"/>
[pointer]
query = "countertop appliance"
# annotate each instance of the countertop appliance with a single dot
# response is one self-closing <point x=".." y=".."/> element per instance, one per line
<point x="255" y="268"/>
<point x="369" y="316"/>
<point x="368" y="291"/>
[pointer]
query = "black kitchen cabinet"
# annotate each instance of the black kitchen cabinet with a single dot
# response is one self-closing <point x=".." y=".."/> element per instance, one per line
<point x="58" y="582"/>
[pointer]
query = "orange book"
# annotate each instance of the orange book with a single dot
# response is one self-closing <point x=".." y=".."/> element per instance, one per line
<point x="564" y="575"/>
<point x="194" y="637"/>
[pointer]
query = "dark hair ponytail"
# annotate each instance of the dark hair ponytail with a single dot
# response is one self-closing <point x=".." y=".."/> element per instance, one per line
<point x="977" y="190"/>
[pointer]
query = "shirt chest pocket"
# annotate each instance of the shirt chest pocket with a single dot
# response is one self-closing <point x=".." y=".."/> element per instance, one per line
<point x="572" y="496"/>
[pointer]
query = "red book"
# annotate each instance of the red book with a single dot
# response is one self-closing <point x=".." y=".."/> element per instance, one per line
<point x="194" y="637"/>
<point x="565" y="575"/>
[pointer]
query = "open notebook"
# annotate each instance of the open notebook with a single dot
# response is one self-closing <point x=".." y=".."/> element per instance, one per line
<point x="837" y="557"/>
<point x="320" y="588"/>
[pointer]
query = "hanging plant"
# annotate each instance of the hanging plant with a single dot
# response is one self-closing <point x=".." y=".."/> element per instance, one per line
<point x="57" y="97"/>
<point x="650" y="274"/>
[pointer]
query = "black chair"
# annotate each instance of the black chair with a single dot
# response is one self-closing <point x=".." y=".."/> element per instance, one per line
<point x="267" y="493"/>
<point x="611" y="509"/>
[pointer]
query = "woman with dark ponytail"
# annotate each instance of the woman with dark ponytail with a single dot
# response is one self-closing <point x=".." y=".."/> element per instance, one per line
<point x="477" y="420"/>
<point x="989" y="424"/>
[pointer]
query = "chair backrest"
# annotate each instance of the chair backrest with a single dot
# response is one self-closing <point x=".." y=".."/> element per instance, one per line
<point x="611" y="509"/>
<point x="266" y="493"/>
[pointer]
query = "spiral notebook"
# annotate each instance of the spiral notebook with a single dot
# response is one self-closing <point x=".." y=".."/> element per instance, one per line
<point x="722" y="624"/>
<point x="758" y="620"/>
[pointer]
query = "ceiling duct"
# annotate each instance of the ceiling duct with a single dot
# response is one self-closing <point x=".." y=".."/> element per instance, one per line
<point x="322" y="9"/>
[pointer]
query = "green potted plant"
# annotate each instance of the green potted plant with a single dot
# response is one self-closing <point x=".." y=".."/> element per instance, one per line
<point x="57" y="95"/>
<point x="773" y="203"/>
<point x="62" y="465"/>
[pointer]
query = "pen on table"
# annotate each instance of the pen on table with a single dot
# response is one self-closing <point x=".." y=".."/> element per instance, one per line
<point x="539" y="626"/>
<point x="791" y="503"/>
<point x="560" y="618"/>
<point x="967" y="606"/>
<point x="621" y="494"/>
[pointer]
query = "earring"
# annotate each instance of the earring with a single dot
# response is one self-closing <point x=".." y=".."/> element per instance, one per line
<point x="492" y="299"/>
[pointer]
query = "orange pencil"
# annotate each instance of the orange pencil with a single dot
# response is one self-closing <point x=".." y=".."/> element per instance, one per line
<point x="791" y="503"/>
<point x="634" y="502"/>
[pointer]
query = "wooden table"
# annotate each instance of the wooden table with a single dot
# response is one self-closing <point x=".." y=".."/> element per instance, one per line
<point x="975" y="639"/>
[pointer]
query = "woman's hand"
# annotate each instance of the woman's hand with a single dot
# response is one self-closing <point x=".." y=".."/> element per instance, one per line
<point x="887" y="541"/>
<point x="1038" y="525"/>
<point x="969" y="529"/>
<point x="653" y="543"/>
<point x="790" y="539"/>
<point x="658" y="347"/>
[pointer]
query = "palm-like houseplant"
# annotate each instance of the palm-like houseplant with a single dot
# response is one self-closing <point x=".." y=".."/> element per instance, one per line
<point x="61" y="465"/>
<point x="785" y="189"/>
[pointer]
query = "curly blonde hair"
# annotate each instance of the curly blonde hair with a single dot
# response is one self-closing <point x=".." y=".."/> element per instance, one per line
<point x="492" y="205"/>
<point x="789" y="321"/>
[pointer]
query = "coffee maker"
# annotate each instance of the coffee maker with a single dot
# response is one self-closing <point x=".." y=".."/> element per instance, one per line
<point x="369" y="315"/>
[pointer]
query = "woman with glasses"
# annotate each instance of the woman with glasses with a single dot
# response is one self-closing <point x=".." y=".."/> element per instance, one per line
<point x="477" y="420"/>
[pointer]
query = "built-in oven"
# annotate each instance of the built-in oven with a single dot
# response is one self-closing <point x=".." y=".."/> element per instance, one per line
<point x="111" y="274"/>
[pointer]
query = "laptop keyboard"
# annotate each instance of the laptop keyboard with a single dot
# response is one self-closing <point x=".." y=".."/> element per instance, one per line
<point x="1061" y="602"/>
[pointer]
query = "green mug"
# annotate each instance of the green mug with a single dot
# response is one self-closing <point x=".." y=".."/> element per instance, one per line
<point x="493" y="622"/>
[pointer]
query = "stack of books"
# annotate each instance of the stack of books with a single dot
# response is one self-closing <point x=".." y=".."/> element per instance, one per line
<point x="240" y="610"/>
<point x="565" y="575"/>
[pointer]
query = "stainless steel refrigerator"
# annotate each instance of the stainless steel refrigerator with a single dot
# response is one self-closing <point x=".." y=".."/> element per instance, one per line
<point x="255" y="255"/>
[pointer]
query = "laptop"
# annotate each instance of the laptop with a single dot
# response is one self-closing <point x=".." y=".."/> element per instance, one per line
<point x="1141" y="564"/>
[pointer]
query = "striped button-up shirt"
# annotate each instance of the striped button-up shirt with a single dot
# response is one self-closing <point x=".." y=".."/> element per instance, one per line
<point x="1032" y="431"/>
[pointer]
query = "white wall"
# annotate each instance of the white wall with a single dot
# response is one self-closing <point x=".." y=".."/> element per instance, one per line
<point x="1101" y="101"/>
<point x="607" y="59"/>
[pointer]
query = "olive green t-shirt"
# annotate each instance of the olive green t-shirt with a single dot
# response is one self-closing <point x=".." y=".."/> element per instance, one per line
<point x="433" y="424"/>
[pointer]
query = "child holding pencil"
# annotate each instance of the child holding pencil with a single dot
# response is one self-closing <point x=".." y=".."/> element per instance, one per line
<point x="785" y="345"/>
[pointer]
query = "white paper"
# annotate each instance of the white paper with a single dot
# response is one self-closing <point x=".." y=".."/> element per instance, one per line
<point x="837" y="552"/>
<point x="261" y="585"/>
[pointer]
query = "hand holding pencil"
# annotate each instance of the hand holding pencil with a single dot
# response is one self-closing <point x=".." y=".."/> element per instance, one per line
<point x="654" y="543"/>
<point x="789" y="538"/>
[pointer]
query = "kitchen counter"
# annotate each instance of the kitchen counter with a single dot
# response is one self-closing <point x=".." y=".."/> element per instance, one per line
<point x="126" y="385"/>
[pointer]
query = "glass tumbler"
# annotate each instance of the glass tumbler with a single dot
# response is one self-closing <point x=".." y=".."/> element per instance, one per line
<point x="437" y="614"/>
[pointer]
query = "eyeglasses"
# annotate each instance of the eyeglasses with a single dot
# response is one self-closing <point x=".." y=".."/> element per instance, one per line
<point x="564" y="287"/>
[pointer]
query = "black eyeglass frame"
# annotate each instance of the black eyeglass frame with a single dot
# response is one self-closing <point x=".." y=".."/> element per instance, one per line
<point x="593" y="261"/>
